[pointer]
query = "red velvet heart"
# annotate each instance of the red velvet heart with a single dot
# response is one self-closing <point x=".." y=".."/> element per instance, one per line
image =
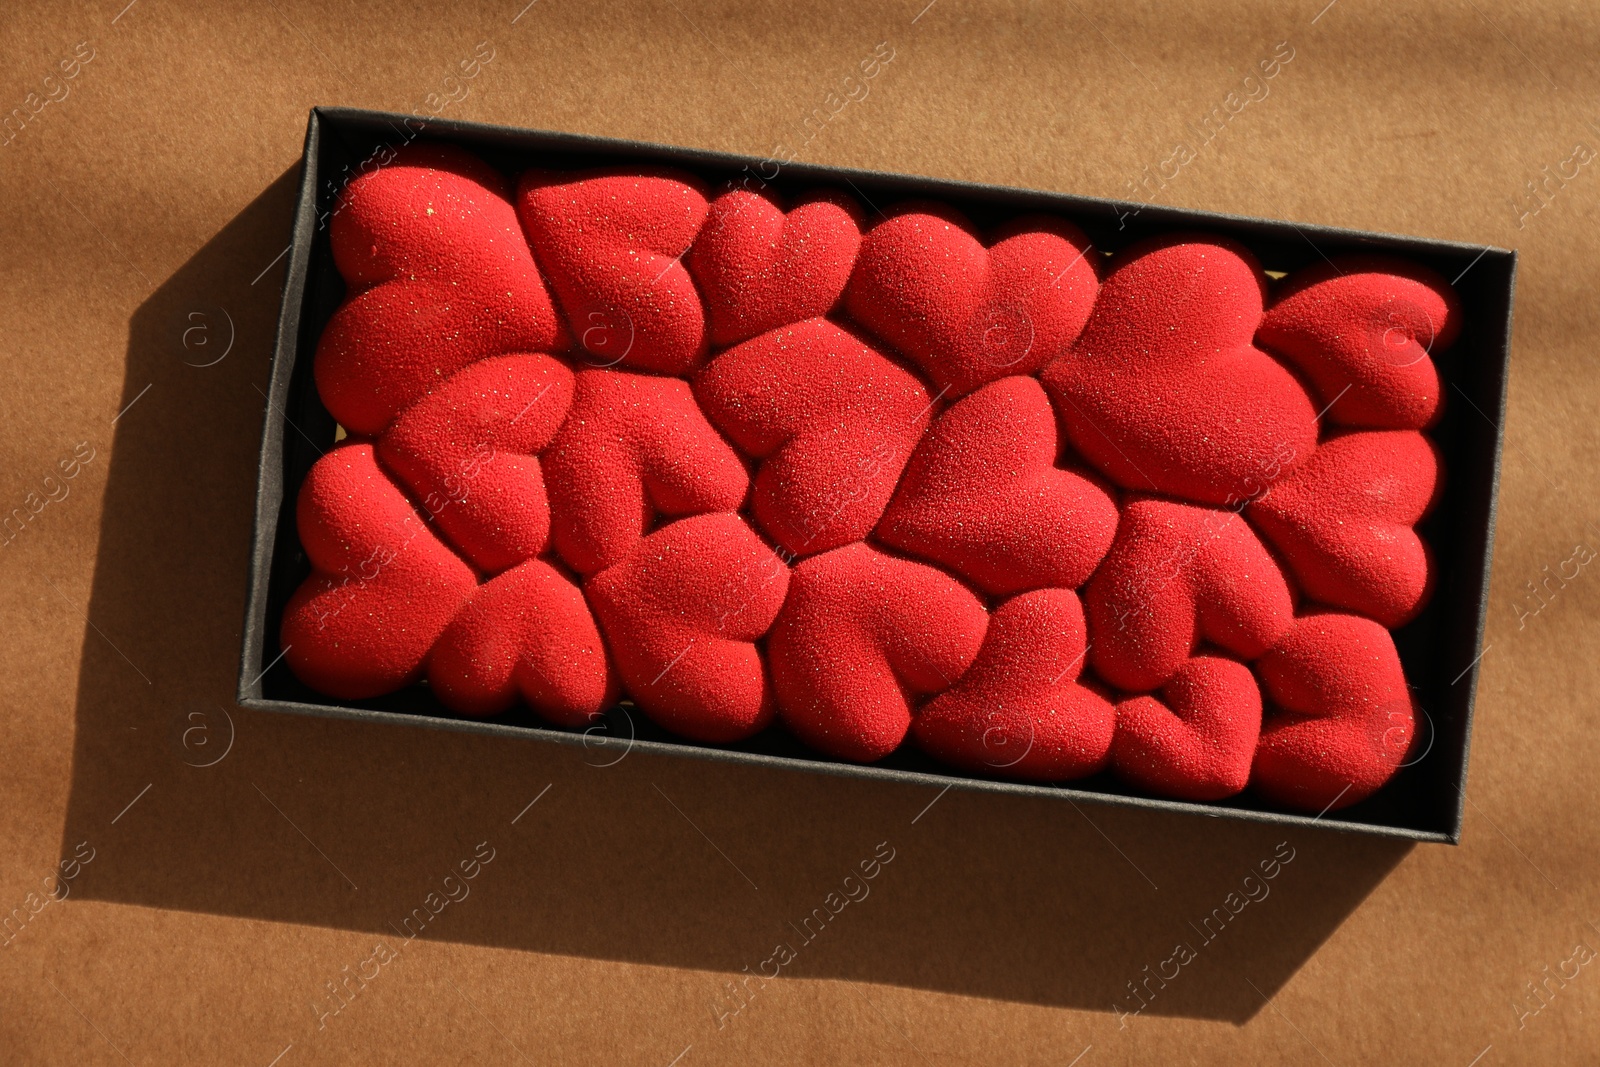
<point x="1363" y="329"/>
<point x="633" y="446"/>
<point x="1345" y="716"/>
<point x="468" y="453"/>
<point x="1019" y="711"/>
<point x="861" y="633"/>
<point x="382" y="586"/>
<point x="1176" y="574"/>
<point x="832" y="420"/>
<point x="1197" y="741"/>
<point x="612" y="244"/>
<point x="967" y="314"/>
<point x="1164" y="390"/>
<point x="982" y="496"/>
<point x="528" y="632"/>
<point x="760" y="269"/>
<point x="682" y="613"/>
<point x="439" y="275"/>
<point x="1343" y="520"/>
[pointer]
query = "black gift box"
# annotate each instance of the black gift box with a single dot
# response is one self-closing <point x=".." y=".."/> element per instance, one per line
<point x="1439" y="650"/>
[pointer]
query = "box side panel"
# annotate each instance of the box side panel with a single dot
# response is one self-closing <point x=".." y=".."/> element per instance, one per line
<point x="1481" y="389"/>
<point x="270" y="483"/>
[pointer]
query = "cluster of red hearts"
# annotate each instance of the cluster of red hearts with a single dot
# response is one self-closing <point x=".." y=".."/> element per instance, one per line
<point x="889" y="479"/>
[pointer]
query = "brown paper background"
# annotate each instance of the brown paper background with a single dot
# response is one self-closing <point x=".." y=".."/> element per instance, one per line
<point x="617" y="909"/>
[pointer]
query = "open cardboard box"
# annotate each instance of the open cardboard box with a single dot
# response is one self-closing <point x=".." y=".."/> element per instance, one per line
<point x="1439" y="650"/>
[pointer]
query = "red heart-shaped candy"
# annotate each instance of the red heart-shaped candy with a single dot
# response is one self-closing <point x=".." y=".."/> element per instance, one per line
<point x="832" y="421"/>
<point x="467" y="452"/>
<point x="967" y="314"/>
<point x="1343" y="520"/>
<point x="382" y="586"/>
<point x="439" y="275"/>
<point x="1197" y="740"/>
<point x="1019" y="711"/>
<point x="527" y="632"/>
<point x="633" y="446"/>
<point x="860" y="634"/>
<point x="1364" y="330"/>
<point x="682" y="613"/>
<point x="1164" y="391"/>
<point x="1346" y="716"/>
<point x="1176" y="574"/>
<point x="759" y="268"/>
<point x="982" y="495"/>
<point x="612" y="245"/>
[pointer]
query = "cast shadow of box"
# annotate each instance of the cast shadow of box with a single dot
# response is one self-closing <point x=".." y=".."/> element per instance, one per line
<point x="192" y="803"/>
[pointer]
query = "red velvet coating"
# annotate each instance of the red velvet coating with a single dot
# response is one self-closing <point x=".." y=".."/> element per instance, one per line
<point x="1364" y="330"/>
<point x="611" y="243"/>
<point x="382" y="586"/>
<point x="832" y="420"/>
<point x="1177" y="574"/>
<point x="439" y="275"/>
<point x="983" y="497"/>
<point x="634" y="446"/>
<point x="1197" y="740"/>
<point x="969" y="314"/>
<point x="1164" y="390"/>
<point x="1343" y="521"/>
<point x="760" y="268"/>
<point x="526" y="633"/>
<point x="682" y="613"/>
<point x="1019" y="710"/>
<point x="467" y="451"/>
<point x="1342" y="718"/>
<point x="861" y="635"/>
